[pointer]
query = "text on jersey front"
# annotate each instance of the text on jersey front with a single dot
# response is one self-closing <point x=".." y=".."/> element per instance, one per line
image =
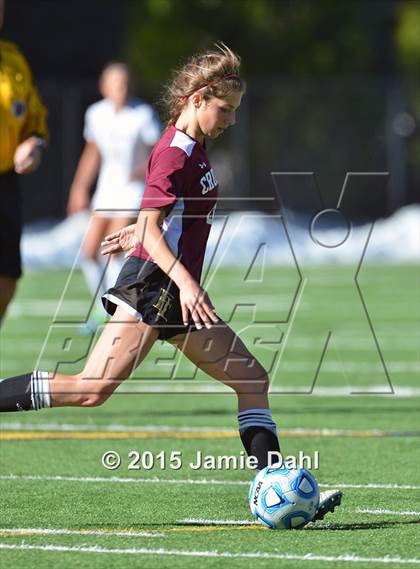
<point x="208" y="182"/>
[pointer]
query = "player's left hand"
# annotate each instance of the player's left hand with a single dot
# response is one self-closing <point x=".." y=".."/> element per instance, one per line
<point x="194" y="300"/>
<point x="27" y="156"/>
<point x="124" y="240"/>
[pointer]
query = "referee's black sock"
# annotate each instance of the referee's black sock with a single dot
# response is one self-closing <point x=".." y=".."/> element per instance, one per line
<point x="259" y="435"/>
<point x="27" y="392"/>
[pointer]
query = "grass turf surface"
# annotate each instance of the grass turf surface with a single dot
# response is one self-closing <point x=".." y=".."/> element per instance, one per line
<point x="378" y="443"/>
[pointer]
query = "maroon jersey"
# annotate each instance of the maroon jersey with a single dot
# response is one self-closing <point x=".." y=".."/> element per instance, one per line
<point x="180" y="179"/>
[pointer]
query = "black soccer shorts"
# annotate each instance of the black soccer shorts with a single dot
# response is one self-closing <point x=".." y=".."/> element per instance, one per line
<point x="145" y="291"/>
<point x="10" y="226"/>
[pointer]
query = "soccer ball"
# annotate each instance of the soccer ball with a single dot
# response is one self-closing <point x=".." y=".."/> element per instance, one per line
<point x="284" y="498"/>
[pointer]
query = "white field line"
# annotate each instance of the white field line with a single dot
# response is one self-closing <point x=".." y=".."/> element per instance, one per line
<point x="207" y="522"/>
<point x="82" y="428"/>
<point x="385" y="512"/>
<point x="372" y="486"/>
<point x="193" y="481"/>
<point x="118" y="479"/>
<point x="225" y="554"/>
<point x="82" y="532"/>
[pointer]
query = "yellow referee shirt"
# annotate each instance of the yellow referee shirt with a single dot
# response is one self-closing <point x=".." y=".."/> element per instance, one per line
<point x="22" y="113"/>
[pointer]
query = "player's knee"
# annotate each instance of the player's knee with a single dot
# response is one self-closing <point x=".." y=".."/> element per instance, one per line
<point x="90" y="393"/>
<point x="94" y="399"/>
<point x="254" y="380"/>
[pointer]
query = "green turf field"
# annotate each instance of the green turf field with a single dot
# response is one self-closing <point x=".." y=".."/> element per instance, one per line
<point x="354" y="399"/>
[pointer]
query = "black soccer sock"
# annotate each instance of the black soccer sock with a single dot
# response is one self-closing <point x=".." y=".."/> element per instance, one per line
<point x="259" y="435"/>
<point x="30" y="391"/>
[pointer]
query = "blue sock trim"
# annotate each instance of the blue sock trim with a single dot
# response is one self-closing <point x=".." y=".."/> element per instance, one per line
<point x="256" y="418"/>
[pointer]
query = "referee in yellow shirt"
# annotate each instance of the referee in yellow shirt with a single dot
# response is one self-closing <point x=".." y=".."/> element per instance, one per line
<point x="23" y="134"/>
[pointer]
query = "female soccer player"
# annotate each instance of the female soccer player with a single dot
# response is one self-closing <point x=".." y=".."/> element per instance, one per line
<point x="120" y="131"/>
<point x="157" y="294"/>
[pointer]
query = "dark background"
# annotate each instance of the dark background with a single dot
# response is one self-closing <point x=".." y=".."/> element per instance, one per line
<point x="332" y="87"/>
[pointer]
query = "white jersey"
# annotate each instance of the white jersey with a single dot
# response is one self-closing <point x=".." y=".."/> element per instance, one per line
<point x="123" y="138"/>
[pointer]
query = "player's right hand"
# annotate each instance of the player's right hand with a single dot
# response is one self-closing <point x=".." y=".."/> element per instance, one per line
<point x="27" y="156"/>
<point x="124" y="240"/>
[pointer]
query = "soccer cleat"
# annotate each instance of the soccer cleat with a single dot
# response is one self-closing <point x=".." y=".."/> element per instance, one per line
<point x="328" y="501"/>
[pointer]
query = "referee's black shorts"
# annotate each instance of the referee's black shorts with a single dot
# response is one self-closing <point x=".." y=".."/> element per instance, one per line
<point x="145" y="291"/>
<point x="10" y="226"/>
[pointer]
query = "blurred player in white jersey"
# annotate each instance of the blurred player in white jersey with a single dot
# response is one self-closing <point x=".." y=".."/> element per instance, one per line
<point x="119" y="131"/>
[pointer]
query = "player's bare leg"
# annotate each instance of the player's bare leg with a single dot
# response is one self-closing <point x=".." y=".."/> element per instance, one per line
<point x="92" y="266"/>
<point x="221" y="354"/>
<point x="122" y="345"/>
<point x="115" y="261"/>
<point x="7" y="290"/>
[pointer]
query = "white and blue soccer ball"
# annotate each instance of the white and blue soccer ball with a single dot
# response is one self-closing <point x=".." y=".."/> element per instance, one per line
<point x="284" y="498"/>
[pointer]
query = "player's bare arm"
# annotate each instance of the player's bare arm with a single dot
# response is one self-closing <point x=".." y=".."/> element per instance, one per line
<point x="86" y="172"/>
